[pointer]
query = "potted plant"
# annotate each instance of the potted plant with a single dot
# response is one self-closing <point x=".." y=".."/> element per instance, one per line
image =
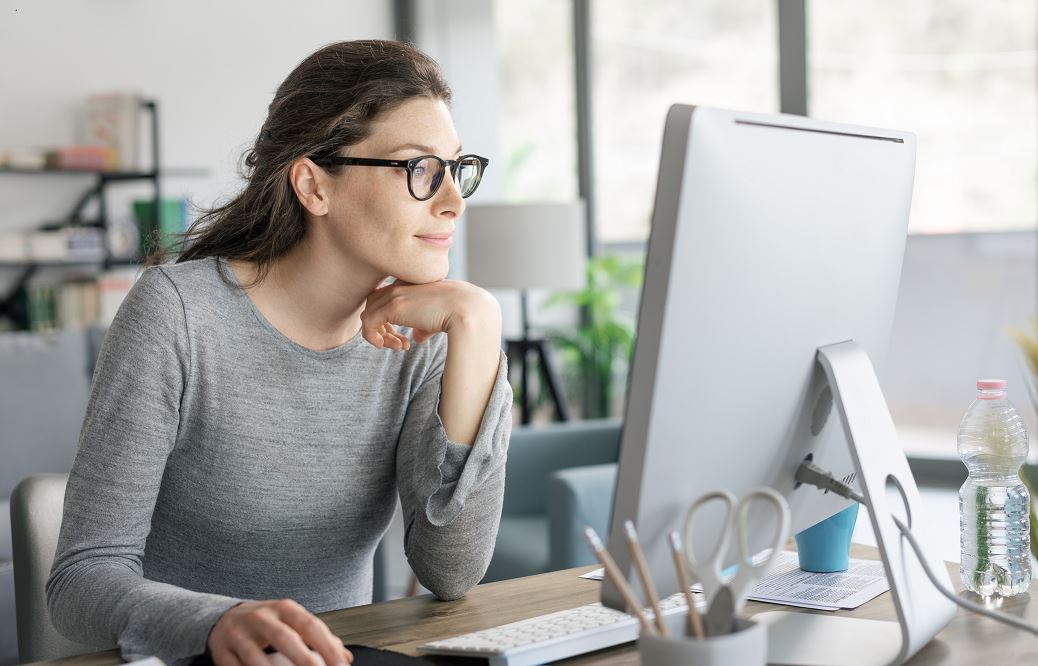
<point x="604" y="338"/>
<point x="1027" y="342"/>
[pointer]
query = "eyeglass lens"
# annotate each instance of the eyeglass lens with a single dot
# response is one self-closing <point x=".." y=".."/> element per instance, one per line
<point x="427" y="175"/>
<point x="467" y="175"/>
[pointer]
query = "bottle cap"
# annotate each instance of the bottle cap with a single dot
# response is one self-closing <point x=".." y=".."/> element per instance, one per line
<point x="991" y="384"/>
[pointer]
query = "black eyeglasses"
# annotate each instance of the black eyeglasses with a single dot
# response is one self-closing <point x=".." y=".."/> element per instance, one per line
<point x="424" y="173"/>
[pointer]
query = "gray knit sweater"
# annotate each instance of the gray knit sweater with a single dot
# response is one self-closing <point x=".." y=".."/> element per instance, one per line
<point x="220" y="461"/>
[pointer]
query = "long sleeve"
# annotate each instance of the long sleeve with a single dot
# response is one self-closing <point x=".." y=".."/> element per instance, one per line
<point x="97" y="593"/>
<point x="451" y="493"/>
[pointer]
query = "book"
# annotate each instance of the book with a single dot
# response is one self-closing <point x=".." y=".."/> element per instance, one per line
<point x="172" y="222"/>
<point x="65" y="244"/>
<point x="75" y="301"/>
<point x="87" y="158"/>
<point x="23" y="158"/>
<point x="113" y="286"/>
<point x="112" y="120"/>
<point x="13" y="246"/>
<point x="42" y="305"/>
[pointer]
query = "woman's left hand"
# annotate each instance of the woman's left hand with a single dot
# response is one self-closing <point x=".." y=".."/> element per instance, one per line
<point x="427" y="309"/>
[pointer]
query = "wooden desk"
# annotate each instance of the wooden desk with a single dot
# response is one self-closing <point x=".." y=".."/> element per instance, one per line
<point x="403" y="624"/>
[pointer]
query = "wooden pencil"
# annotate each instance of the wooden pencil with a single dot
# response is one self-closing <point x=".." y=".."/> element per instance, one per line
<point x="694" y="618"/>
<point x="613" y="572"/>
<point x="643" y="572"/>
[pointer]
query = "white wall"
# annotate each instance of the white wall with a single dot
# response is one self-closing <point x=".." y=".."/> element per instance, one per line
<point x="459" y="34"/>
<point x="960" y="294"/>
<point x="212" y="66"/>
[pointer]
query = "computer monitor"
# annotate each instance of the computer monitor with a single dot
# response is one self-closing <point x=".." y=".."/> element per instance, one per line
<point x="772" y="236"/>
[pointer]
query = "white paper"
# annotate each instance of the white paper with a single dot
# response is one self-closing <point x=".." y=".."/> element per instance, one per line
<point x="789" y="585"/>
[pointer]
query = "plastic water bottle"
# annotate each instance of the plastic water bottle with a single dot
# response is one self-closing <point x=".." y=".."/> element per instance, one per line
<point x="994" y="506"/>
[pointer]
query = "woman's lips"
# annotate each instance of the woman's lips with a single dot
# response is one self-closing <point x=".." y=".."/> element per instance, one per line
<point x="439" y="240"/>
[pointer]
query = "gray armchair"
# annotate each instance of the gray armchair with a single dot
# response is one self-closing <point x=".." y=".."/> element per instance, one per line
<point x="44" y="386"/>
<point x="558" y="478"/>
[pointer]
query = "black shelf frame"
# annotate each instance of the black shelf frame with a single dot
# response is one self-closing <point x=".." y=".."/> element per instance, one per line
<point x="10" y="306"/>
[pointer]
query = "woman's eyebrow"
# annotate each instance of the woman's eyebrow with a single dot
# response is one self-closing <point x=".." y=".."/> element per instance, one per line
<point x="421" y="147"/>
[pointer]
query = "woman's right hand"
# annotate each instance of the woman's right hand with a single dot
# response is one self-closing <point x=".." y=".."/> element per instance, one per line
<point x="241" y="635"/>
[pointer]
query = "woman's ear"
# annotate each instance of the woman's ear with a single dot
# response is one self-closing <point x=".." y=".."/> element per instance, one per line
<point x="310" y="184"/>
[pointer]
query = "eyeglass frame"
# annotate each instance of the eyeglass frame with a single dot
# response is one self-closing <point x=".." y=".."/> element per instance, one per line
<point x="408" y="166"/>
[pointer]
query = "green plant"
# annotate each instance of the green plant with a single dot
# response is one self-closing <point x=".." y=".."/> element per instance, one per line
<point x="1028" y="344"/>
<point x="605" y="335"/>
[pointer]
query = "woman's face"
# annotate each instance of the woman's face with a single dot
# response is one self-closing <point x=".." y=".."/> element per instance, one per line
<point x="374" y="221"/>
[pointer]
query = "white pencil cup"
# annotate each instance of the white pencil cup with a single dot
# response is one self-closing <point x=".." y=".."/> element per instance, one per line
<point x="746" y="646"/>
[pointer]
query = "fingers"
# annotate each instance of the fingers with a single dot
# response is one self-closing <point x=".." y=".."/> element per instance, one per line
<point x="385" y="336"/>
<point x="280" y="635"/>
<point x="300" y="639"/>
<point x="393" y="339"/>
<point x="318" y="636"/>
<point x="391" y="306"/>
<point x="375" y="323"/>
<point x="421" y="336"/>
<point x="247" y="651"/>
<point x="225" y="657"/>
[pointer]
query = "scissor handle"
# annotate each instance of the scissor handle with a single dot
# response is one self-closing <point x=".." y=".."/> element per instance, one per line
<point x="710" y="574"/>
<point x="749" y="573"/>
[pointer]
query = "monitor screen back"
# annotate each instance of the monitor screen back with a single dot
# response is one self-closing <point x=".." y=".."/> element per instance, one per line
<point x="772" y="235"/>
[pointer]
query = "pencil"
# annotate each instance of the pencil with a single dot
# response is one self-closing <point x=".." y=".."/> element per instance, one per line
<point x="643" y="572"/>
<point x="614" y="574"/>
<point x="679" y="561"/>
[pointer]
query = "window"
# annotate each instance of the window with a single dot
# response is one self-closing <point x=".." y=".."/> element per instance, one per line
<point x="537" y="99"/>
<point x="651" y="54"/>
<point x="961" y="75"/>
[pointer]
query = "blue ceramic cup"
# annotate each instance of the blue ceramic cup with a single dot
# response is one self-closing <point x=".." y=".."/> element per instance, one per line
<point x="826" y="547"/>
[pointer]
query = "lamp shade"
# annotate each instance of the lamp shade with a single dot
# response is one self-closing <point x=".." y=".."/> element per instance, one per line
<point x="526" y="246"/>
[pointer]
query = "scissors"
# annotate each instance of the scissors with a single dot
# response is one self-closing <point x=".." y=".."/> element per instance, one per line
<point x="726" y="596"/>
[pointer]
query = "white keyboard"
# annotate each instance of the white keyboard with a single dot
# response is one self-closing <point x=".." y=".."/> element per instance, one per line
<point x="546" y="638"/>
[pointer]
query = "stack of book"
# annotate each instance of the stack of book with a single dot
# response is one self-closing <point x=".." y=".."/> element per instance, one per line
<point x="110" y="140"/>
<point x="86" y="158"/>
<point x="68" y="244"/>
<point x="23" y="158"/>
<point x="76" y="303"/>
<point x="13" y="246"/>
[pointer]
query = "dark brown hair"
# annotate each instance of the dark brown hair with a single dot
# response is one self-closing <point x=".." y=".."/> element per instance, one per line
<point x="327" y="103"/>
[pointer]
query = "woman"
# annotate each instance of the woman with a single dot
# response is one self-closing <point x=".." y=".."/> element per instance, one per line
<point x="258" y="406"/>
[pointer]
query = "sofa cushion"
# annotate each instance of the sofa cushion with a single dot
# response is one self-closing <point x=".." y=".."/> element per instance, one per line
<point x="578" y="497"/>
<point x="5" y="530"/>
<point x="8" y="628"/>
<point x="521" y="548"/>
<point x="534" y="452"/>
<point x="45" y="388"/>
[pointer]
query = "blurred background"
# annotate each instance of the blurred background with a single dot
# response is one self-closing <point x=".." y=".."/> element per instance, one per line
<point x="121" y="119"/>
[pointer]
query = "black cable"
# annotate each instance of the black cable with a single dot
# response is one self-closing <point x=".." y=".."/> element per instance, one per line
<point x="810" y="474"/>
<point x="813" y="475"/>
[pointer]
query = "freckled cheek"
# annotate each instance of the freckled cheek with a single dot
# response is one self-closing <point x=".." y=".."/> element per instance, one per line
<point x="382" y="216"/>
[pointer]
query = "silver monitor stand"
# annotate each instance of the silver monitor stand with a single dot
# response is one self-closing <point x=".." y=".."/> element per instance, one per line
<point x="889" y="488"/>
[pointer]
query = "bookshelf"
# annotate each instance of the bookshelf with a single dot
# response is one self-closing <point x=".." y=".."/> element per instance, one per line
<point x="12" y="303"/>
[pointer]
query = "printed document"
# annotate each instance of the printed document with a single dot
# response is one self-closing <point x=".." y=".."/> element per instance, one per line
<point x="789" y="585"/>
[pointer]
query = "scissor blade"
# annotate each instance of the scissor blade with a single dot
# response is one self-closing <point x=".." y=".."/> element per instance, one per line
<point x="721" y="614"/>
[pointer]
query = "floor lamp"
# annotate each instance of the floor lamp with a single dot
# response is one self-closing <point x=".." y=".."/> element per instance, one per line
<point x="528" y="246"/>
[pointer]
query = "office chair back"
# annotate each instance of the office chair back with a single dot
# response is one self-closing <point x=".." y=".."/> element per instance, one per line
<point x="36" y="507"/>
